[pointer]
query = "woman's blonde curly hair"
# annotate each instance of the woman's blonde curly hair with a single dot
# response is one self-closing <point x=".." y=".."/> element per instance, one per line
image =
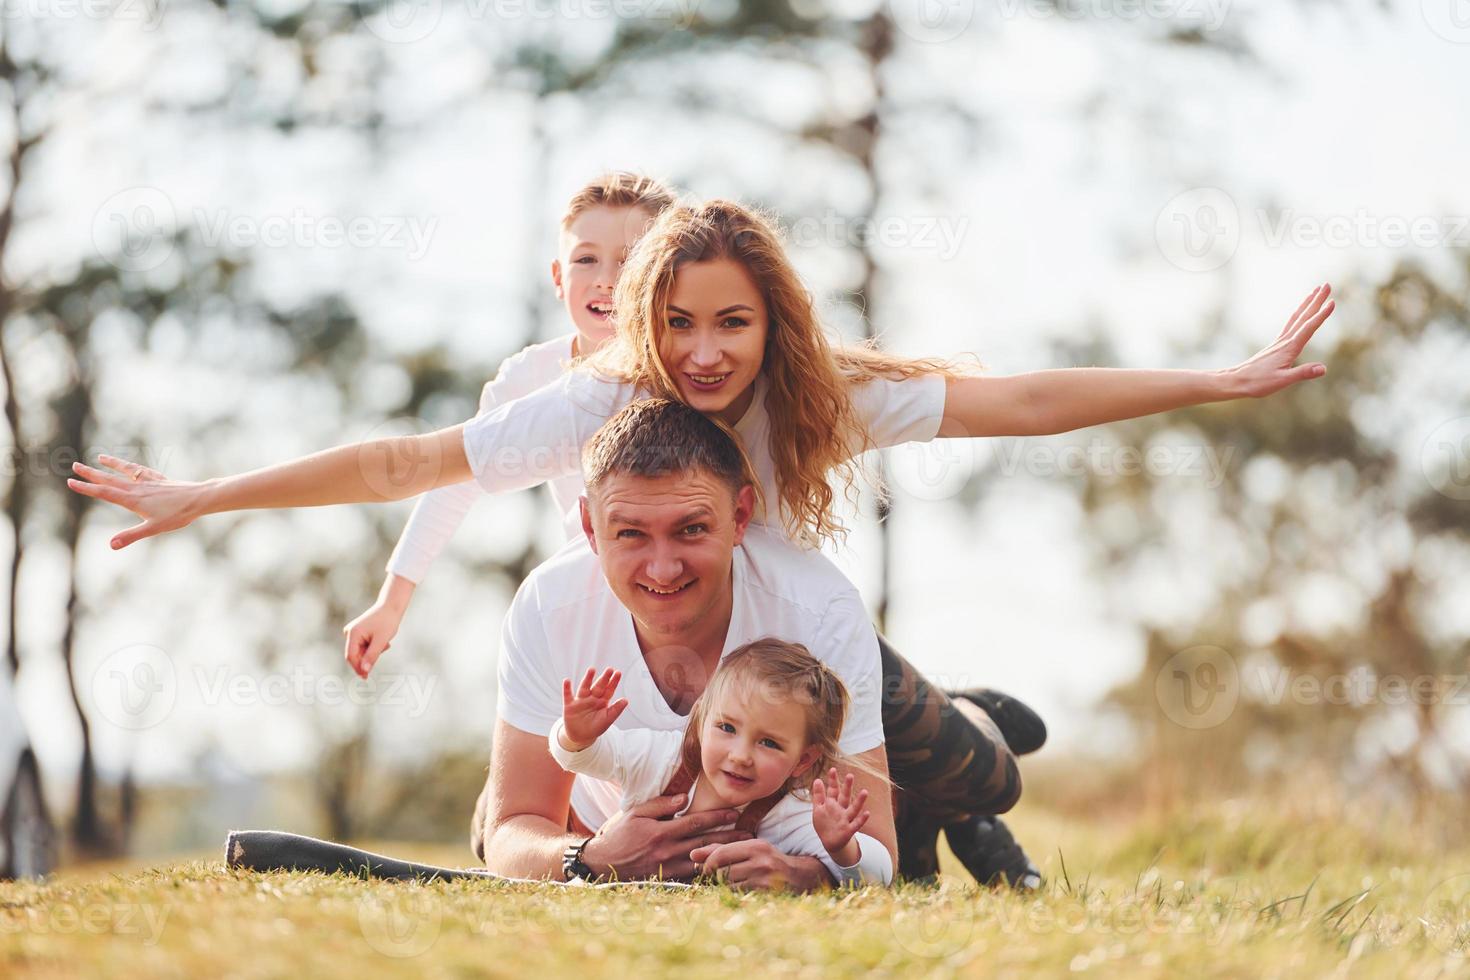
<point x="815" y="431"/>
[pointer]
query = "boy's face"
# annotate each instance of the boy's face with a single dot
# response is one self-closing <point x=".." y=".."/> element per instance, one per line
<point x="591" y="252"/>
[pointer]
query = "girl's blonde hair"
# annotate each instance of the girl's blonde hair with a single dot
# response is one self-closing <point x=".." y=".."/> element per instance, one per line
<point x="774" y="670"/>
<point x="815" y="430"/>
<point x="619" y="189"/>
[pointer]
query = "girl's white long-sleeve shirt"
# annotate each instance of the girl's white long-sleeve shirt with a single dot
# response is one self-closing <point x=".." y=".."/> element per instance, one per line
<point x="643" y="760"/>
<point x="439" y="513"/>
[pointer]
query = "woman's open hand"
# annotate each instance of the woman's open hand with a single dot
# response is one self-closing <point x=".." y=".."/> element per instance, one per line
<point x="1275" y="367"/>
<point x="164" y="504"/>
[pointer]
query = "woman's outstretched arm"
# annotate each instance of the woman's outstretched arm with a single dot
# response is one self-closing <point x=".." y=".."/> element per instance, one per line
<point x="1048" y="402"/>
<point x="367" y="472"/>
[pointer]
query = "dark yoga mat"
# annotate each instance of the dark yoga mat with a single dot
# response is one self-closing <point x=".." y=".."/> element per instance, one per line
<point x="274" y="850"/>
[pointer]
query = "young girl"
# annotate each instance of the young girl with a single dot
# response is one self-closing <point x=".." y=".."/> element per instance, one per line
<point x="601" y="224"/>
<point x="758" y="738"/>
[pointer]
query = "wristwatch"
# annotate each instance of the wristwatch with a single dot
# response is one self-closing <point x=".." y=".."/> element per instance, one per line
<point x="572" y="865"/>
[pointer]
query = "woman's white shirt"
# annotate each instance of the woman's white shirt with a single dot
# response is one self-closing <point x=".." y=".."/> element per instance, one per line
<point x="439" y="513"/>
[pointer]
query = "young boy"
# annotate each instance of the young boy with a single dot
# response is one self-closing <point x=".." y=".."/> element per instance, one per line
<point x="601" y="223"/>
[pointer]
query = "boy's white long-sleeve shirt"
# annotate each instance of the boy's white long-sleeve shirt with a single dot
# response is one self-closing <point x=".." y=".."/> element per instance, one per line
<point x="439" y="513"/>
<point x="643" y="760"/>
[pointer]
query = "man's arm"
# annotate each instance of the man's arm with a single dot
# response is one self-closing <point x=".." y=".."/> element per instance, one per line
<point x="880" y="825"/>
<point x="526" y="813"/>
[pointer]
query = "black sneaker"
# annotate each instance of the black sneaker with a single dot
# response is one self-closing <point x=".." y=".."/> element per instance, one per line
<point x="1023" y="729"/>
<point x="985" y="847"/>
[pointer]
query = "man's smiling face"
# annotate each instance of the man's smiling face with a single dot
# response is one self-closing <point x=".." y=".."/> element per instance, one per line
<point x="666" y="544"/>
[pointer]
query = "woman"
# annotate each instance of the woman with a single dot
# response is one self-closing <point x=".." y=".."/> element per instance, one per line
<point x="710" y="312"/>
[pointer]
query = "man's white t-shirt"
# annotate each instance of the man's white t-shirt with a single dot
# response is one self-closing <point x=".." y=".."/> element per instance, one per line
<point x="565" y="619"/>
<point x="540" y="437"/>
<point x="439" y="513"/>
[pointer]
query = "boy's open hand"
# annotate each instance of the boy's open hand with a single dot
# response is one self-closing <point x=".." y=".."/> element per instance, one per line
<point x="837" y="816"/>
<point x="587" y="715"/>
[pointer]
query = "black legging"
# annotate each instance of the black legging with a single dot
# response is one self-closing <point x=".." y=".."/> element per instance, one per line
<point x="947" y="759"/>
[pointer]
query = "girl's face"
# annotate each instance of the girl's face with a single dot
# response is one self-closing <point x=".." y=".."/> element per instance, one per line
<point x="592" y="251"/>
<point x="716" y="337"/>
<point x="752" y="743"/>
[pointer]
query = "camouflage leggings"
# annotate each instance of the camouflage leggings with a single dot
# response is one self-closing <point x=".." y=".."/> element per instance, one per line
<point x="947" y="760"/>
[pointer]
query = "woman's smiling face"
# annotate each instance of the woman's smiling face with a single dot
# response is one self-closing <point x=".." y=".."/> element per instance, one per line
<point x="715" y="339"/>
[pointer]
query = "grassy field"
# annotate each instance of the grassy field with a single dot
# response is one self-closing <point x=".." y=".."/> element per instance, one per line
<point x="1235" y="888"/>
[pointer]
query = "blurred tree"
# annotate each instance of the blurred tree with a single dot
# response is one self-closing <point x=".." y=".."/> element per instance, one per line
<point x="1327" y="568"/>
<point x="61" y="321"/>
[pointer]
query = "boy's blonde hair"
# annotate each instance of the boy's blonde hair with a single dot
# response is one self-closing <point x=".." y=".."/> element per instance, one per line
<point x="815" y="430"/>
<point x="620" y="189"/>
<point x="788" y="672"/>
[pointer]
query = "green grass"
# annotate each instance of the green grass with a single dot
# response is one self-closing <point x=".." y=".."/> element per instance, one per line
<point x="1227" y="889"/>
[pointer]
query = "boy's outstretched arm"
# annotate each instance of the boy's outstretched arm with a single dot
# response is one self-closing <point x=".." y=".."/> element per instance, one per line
<point x="1048" y="402"/>
<point x="366" y="472"/>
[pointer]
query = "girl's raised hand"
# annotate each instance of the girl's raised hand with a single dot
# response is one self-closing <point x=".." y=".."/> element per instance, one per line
<point x="164" y="504"/>
<point x="1275" y="367"/>
<point x="589" y="713"/>
<point x="837" y="815"/>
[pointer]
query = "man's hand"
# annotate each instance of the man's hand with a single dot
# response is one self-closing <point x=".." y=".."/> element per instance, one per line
<point x="756" y="865"/>
<point x="837" y="816"/>
<point x="641" y="843"/>
<point x="587" y="715"/>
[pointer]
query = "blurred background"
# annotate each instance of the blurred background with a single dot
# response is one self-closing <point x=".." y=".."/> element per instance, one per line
<point x="232" y="233"/>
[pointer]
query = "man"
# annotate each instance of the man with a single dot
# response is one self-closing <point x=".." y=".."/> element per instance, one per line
<point x="672" y="576"/>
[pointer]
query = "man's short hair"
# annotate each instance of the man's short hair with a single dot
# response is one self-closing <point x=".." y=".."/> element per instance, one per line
<point x="656" y="437"/>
